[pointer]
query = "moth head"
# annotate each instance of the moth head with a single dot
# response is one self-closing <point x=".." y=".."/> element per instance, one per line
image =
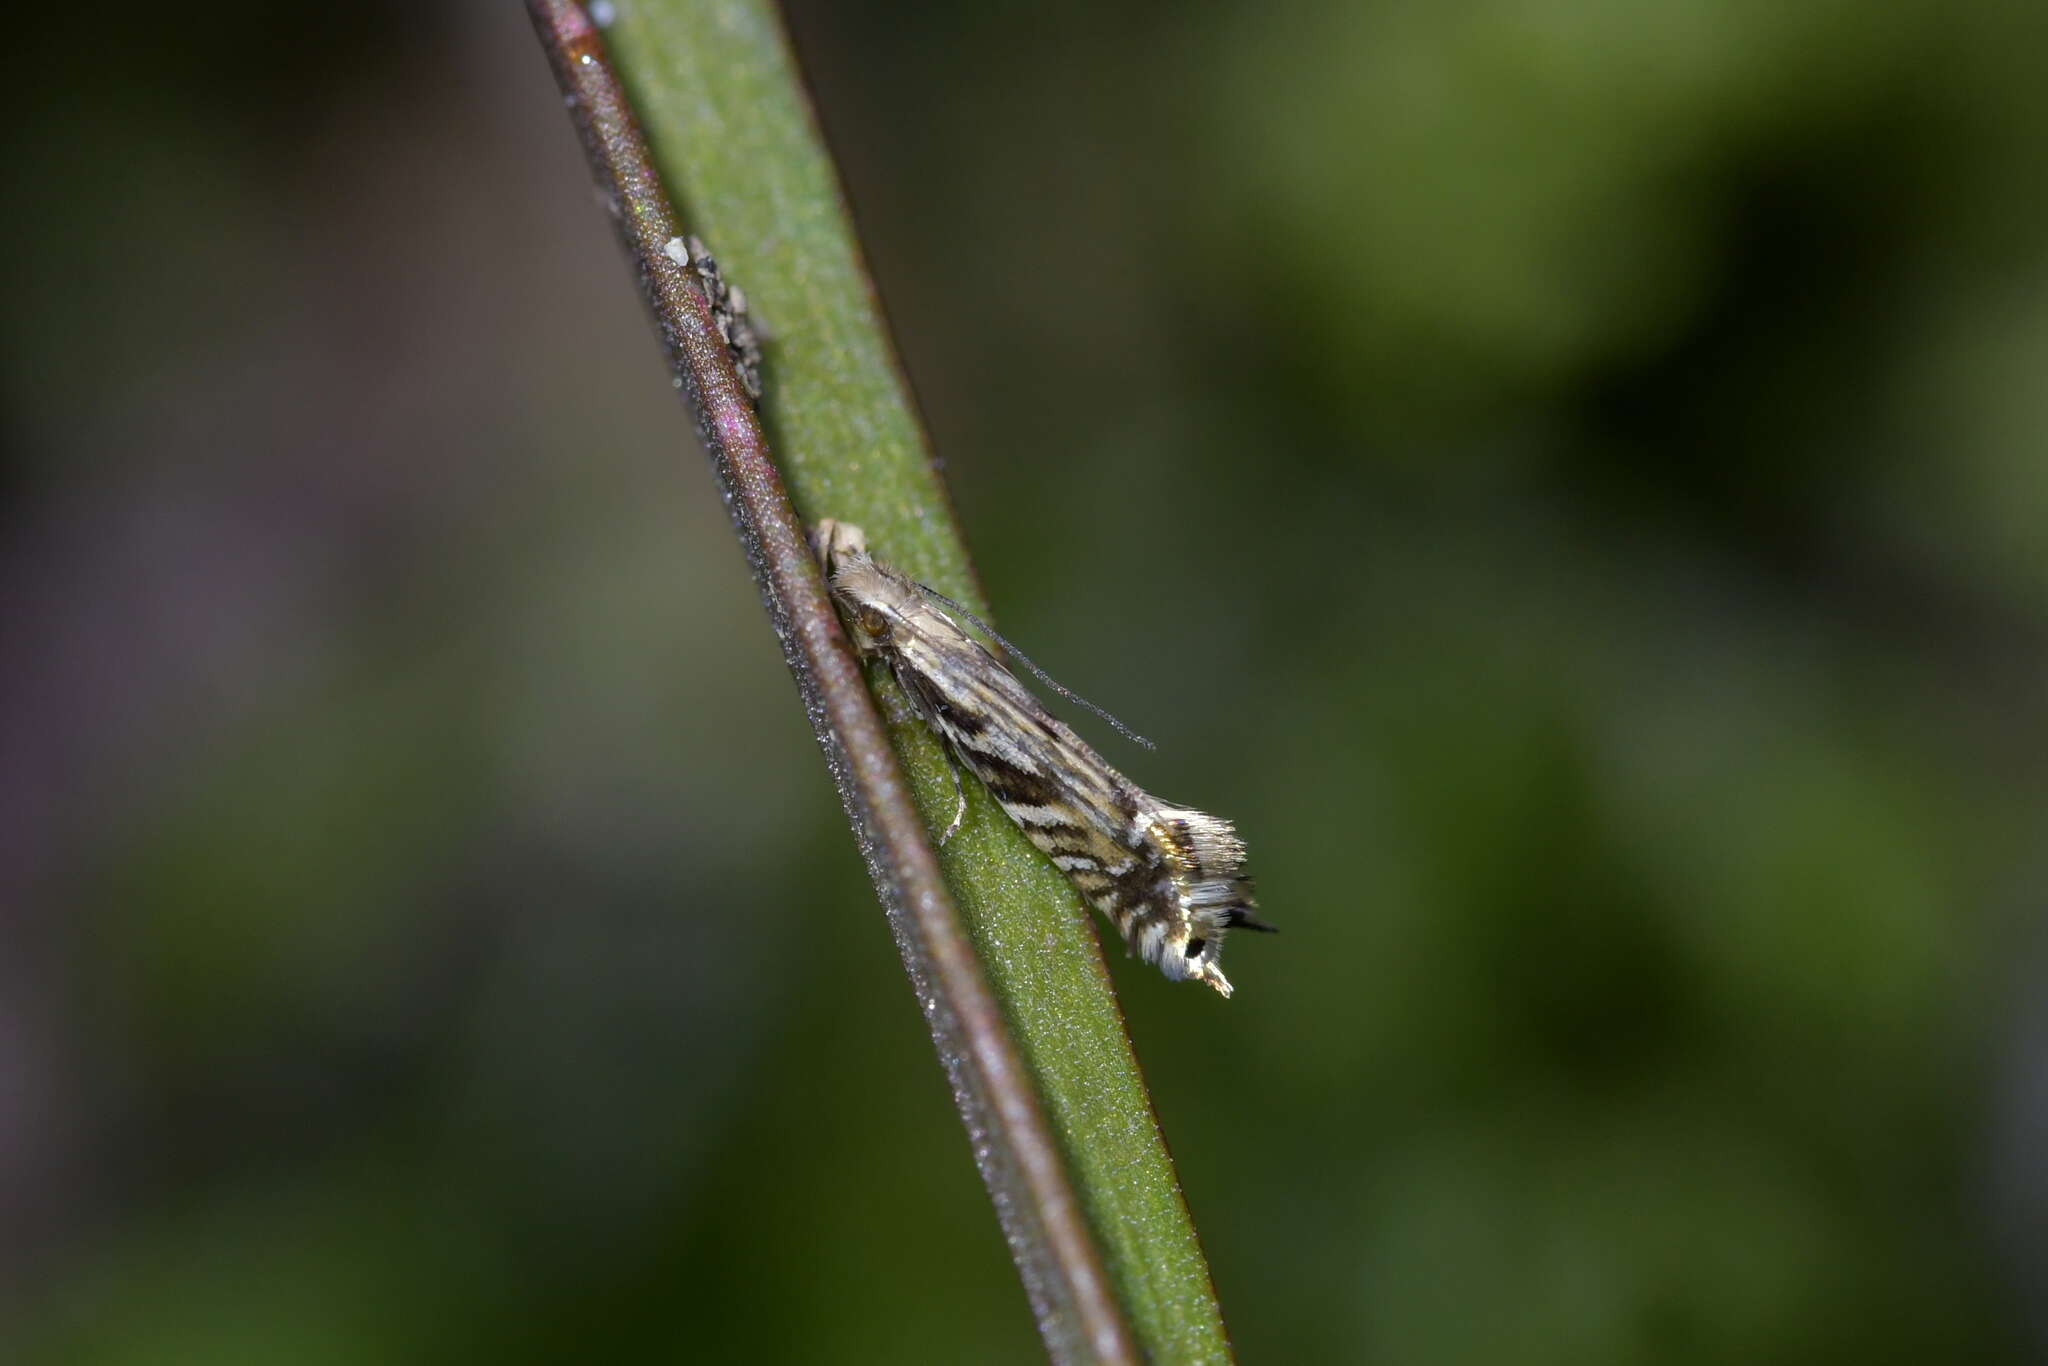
<point x="876" y="605"/>
<point x="863" y="591"/>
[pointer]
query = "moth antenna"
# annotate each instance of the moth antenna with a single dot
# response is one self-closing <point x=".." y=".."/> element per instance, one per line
<point x="936" y="596"/>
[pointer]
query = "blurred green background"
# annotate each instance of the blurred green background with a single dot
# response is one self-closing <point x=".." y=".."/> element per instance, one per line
<point x="1565" y="476"/>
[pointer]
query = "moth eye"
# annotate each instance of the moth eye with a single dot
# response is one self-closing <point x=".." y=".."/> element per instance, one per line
<point x="1195" y="947"/>
<point x="874" y="623"/>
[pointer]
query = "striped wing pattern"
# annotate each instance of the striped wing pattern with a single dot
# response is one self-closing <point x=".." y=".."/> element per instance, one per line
<point x="1169" y="878"/>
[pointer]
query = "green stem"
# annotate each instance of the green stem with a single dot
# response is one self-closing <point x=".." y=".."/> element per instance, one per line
<point x="1019" y="1004"/>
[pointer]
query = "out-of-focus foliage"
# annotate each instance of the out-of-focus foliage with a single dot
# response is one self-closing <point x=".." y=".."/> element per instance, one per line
<point x="1565" y="477"/>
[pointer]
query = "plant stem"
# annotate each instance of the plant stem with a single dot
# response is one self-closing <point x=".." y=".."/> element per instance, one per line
<point x="1015" y="993"/>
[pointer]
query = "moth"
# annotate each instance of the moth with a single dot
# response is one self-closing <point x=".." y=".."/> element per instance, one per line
<point x="1170" y="879"/>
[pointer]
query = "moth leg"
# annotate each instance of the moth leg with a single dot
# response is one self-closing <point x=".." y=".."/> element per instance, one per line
<point x="959" y="799"/>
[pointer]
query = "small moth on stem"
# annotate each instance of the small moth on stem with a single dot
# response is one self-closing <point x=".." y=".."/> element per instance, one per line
<point x="1169" y="878"/>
